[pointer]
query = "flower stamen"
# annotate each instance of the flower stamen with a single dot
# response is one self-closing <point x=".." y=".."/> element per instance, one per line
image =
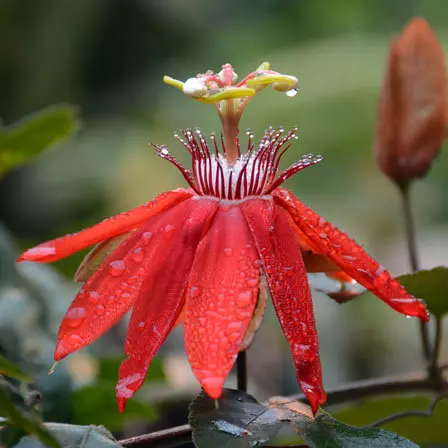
<point x="254" y="173"/>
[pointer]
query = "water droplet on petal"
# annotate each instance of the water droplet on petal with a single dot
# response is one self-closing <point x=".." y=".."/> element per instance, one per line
<point x="146" y="237"/>
<point x="137" y="254"/>
<point x="100" y="310"/>
<point x="235" y="325"/>
<point x="117" y="268"/>
<point x="228" y="251"/>
<point x="252" y="282"/>
<point x="94" y="296"/>
<point x="194" y="291"/>
<point x="74" y="339"/>
<point x="291" y="93"/>
<point x="244" y="299"/>
<point x="75" y="317"/>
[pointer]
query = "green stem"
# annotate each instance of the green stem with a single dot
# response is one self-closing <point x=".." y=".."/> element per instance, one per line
<point x="413" y="258"/>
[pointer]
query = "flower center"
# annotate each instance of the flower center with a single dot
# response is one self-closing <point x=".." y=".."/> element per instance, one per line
<point x="230" y="96"/>
<point x="254" y="173"/>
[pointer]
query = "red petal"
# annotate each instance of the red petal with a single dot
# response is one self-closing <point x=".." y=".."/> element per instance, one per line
<point x="162" y="296"/>
<point x="110" y="292"/>
<point x="221" y="298"/>
<point x="66" y="245"/>
<point x="351" y="257"/>
<point x="279" y="248"/>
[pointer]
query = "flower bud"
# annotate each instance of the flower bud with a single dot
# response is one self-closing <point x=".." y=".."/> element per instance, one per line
<point x="411" y="123"/>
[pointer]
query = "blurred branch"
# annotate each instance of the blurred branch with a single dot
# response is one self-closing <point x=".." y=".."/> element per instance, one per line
<point x="413" y="257"/>
<point x="426" y="413"/>
<point x="164" y="438"/>
<point x="418" y="381"/>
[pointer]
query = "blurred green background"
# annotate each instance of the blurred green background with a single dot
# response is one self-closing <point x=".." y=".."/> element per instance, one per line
<point x="109" y="56"/>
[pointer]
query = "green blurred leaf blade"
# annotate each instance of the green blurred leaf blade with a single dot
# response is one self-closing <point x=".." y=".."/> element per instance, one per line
<point x="73" y="436"/>
<point x="28" y="137"/>
<point x="7" y="368"/>
<point x="431" y="286"/>
<point x="422" y="430"/>
<point x="24" y="421"/>
<point x="327" y="432"/>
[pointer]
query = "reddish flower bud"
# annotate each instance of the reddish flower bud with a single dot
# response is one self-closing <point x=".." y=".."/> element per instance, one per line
<point x="412" y="118"/>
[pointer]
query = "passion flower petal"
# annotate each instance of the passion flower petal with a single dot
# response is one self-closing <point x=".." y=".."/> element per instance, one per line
<point x="351" y="257"/>
<point x="116" y="225"/>
<point x="162" y="295"/>
<point x="279" y="249"/>
<point x="221" y="298"/>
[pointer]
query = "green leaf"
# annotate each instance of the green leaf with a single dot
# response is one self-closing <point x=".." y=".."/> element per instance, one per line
<point x="431" y="286"/>
<point x="27" y="138"/>
<point x="7" y="368"/>
<point x="327" y="432"/>
<point x="73" y="436"/>
<point x="422" y="430"/>
<point x="25" y="420"/>
<point x="236" y="420"/>
<point x="96" y="404"/>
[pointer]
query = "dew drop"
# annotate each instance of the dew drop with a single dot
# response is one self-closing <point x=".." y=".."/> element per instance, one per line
<point x="94" y="296"/>
<point x="228" y="251"/>
<point x="117" y="268"/>
<point x="146" y="237"/>
<point x="244" y="299"/>
<point x="137" y="254"/>
<point x="291" y="93"/>
<point x="194" y="292"/>
<point x="235" y="325"/>
<point x="100" y="310"/>
<point x="74" y="339"/>
<point x="168" y="229"/>
<point x="252" y="282"/>
<point x="75" y="317"/>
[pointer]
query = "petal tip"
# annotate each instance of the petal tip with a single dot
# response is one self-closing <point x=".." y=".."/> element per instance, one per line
<point x="121" y="403"/>
<point x="38" y="253"/>
<point x="213" y="386"/>
<point x="315" y="399"/>
<point x="61" y="351"/>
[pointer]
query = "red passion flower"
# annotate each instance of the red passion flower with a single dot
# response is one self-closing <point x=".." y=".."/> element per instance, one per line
<point x="201" y="255"/>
